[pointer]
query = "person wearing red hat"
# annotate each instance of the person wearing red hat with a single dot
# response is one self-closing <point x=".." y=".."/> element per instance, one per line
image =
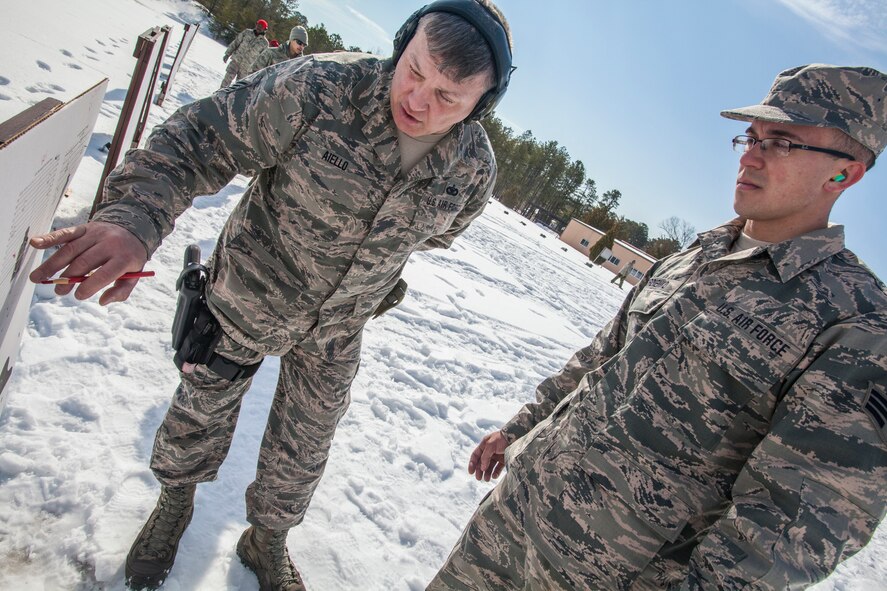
<point x="244" y="50"/>
<point x="274" y="43"/>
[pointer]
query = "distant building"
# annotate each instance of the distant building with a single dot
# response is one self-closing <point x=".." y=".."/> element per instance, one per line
<point x="582" y="237"/>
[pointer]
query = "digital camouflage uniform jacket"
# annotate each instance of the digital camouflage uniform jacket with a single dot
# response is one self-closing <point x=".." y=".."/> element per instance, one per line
<point x="735" y="406"/>
<point x="327" y="223"/>
<point x="268" y="57"/>
<point x="245" y="48"/>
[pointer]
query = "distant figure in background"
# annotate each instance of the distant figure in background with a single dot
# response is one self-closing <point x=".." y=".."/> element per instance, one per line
<point x="298" y="41"/>
<point x="243" y="51"/>
<point x="623" y="273"/>
<point x="273" y="43"/>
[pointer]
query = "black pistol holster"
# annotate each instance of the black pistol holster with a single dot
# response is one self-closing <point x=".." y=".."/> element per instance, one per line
<point x="195" y="331"/>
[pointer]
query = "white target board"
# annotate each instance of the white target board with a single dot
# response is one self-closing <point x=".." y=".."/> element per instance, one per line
<point x="38" y="158"/>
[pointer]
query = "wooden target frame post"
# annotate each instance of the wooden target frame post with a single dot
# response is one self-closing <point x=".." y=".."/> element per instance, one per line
<point x="187" y="38"/>
<point x="149" y="50"/>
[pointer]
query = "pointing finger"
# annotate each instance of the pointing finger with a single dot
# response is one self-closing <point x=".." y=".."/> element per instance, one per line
<point x="57" y="237"/>
<point x="61" y="258"/>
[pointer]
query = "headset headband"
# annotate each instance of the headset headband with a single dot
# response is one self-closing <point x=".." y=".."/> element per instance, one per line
<point x="489" y="28"/>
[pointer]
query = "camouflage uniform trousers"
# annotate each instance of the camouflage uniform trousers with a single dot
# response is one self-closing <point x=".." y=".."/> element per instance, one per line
<point x="232" y="73"/>
<point x="526" y="534"/>
<point x="312" y="395"/>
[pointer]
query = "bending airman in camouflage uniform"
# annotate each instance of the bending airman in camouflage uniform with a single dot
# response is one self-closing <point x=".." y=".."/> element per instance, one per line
<point x="728" y="428"/>
<point x="357" y="162"/>
<point x="243" y="51"/>
<point x="298" y="41"/>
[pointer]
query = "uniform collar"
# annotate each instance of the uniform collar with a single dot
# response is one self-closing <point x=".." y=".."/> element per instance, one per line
<point x="790" y="257"/>
<point x="371" y="96"/>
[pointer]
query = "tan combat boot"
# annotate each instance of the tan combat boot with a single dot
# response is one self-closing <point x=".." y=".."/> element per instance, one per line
<point x="264" y="552"/>
<point x="154" y="550"/>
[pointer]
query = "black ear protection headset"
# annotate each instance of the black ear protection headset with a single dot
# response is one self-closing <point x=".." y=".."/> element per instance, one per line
<point x="490" y="29"/>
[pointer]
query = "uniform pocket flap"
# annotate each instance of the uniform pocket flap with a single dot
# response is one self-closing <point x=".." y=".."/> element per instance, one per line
<point x="650" y="299"/>
<point x="658" y="505"/>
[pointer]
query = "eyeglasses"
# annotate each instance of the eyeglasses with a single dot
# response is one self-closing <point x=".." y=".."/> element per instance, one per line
<point x="780" y="146"/>
<point x="300" y="42"/>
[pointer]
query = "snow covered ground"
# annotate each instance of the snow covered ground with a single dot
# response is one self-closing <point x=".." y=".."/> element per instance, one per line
<point x="482" y="324"/>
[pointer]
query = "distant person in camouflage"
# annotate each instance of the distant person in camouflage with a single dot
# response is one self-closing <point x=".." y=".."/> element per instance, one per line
<point x="243" y="51"/>
<point x="298" y="41"/>
<point x="624" y="272"/>
<point x="357" y="162"/>
<point x="728" y="428"/>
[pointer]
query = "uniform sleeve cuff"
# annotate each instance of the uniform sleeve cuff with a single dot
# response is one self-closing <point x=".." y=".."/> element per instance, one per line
<point x="136" y="221"/>
<point x="514" y="430"/>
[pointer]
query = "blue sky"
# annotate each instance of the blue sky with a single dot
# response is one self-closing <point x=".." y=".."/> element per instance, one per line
<point x="633" y="89"/>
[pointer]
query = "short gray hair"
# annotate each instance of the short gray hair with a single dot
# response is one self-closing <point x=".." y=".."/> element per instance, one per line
<point x="458" y="49"/>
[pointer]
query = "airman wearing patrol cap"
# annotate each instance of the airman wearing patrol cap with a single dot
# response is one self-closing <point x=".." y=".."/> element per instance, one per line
<point x="728" y="428"/>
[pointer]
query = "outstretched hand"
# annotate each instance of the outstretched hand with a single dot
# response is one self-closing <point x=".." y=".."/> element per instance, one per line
<point x="101" y="250"/>
<point x="488" y="459"/>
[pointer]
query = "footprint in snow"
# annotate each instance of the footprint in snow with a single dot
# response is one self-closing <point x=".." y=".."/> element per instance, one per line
<point x="66" y="53"/>
<point x="4" y="80"/>
<point x="38" y="88"/>
<point x="99" y="42"/>
<point x="90" y="49"/>
<point x="45" y="88"/>
<point x="74" y="66"/>
<point x="3" y="97"/>
<point x="44" y="66"/>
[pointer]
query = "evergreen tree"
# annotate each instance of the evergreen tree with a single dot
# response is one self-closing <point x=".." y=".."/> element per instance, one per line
<point x="232" y="16"/>
<point x="661" y="247"/>
<point x="606" y="241"/>
<point x="322" y="41"/>
<point x="635" y="233"/>
<point x="599" y="217"/>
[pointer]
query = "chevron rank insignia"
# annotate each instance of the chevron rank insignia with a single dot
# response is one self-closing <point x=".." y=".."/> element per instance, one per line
<point x="876" y="407"/>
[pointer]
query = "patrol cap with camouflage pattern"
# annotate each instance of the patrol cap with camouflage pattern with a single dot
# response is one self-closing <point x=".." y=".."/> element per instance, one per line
<point x="851" y="99"/>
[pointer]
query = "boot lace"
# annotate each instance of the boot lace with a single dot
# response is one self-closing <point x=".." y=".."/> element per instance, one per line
<point x="283" y="568"/>
<point x="167" y="522"/>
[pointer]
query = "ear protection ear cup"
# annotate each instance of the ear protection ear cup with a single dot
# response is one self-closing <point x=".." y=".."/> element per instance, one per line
<point x="405" y="33"/>
<point x="490" y="29"/>
<point x="839" y="178"/>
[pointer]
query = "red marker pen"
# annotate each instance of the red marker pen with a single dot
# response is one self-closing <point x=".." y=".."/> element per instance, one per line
<point x="69" y="280"/>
